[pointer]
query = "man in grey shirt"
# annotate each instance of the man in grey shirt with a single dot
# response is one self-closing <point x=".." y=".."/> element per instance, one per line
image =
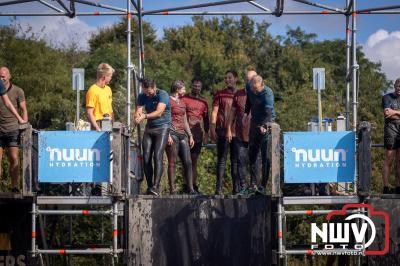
<point x="9" y="125"/>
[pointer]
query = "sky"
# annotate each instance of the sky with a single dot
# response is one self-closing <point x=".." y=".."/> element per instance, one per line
<point x="379" y="35"/>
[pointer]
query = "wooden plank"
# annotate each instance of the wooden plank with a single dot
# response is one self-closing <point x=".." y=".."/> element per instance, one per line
<point x="26" y="141"/>
<point x="125" y="184"/>
<point x="116" y="147"/>
<point x="275" y="159"/>
<point x="364" y="159"/>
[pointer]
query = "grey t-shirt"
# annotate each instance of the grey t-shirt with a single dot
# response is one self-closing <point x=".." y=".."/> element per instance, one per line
<point x="392" y="101"/>
<point x="8" y="122"/>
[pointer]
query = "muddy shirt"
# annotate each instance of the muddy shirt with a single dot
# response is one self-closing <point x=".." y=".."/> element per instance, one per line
<point x="197" y="115"/>
<point x="178" y="111"/>
<point x="223" y="99"/>
<point x="242" y="120"/>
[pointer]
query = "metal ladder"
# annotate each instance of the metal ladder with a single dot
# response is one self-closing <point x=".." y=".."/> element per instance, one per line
<point x="113" y="212"/>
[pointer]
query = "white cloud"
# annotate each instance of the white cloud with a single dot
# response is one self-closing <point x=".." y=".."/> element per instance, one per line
<point x="383" y="46"/>
<point x="60" y="31"/>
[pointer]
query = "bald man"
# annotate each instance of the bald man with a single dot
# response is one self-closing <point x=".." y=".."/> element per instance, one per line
<point x="260" y="102"/>
<point x="9" y="124"/>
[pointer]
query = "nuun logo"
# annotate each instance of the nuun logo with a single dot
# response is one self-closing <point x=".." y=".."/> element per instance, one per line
<point x="319" y="158"/>
<point x="73" y="157"/>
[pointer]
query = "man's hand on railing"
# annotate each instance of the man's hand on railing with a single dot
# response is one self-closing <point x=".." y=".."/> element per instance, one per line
<point x="23" y="126"/>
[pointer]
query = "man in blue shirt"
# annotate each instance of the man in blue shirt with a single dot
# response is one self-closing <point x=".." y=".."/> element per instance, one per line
<point x="391" y="111"/>
<point x="155" y="137"/>
<point x="260" y="101"/>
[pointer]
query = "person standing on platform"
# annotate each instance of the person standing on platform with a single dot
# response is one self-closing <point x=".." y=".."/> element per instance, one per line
<point x="260" y="101"/>
<point x="13" y="99"/>
<point x="155" y="137"/>
<point x="239" y="122"/>
<point x="99" y="97"/>
<point x="391" y="111"/>
<point x="197" y="115"/>
<point x="180" y="139"/>
<point x="222" y="104"/>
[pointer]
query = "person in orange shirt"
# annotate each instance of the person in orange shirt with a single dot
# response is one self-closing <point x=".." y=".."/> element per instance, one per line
<point x="99" y="97"/>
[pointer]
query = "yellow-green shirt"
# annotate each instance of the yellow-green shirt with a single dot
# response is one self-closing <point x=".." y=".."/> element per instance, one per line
<point x="101" y="100"/>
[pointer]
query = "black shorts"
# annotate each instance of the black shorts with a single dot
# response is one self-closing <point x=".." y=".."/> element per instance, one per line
<point x="196" y="149"/>
<point x="392" y="135"/>
<point x="9" y="139"/>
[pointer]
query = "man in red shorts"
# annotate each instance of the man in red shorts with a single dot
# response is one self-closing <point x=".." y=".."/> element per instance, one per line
<point x="197" y="115"/>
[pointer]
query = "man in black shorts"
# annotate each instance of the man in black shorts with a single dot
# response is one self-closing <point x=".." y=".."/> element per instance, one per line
<point x="391" y="111"/>
<point x="9" y="124"/>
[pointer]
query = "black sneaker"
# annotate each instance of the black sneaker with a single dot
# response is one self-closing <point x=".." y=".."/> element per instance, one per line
<point x="261" y="191"/>
<point x="385" y="190"/>
<point x="15" y="190"/>
<point x="154" y="192"/>
<point x="247" y="192"/>
<point x="397" y="190"/>
<point x="193" y="193"/>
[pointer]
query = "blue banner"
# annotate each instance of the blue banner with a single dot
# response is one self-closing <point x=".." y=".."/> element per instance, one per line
<point x="319" y="157"/>
<point x="74" y="156"/>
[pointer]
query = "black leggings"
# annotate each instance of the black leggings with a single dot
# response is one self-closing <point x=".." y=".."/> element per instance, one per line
<point x="223" y="145"/>
<point x="180" y="147"/>
<point x="259" y="143"/>
<point x="240" y="148"/>
<point x="154" y="142"/>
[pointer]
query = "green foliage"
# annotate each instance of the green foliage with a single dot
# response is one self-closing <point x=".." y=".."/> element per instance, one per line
<point x="44" y="74"/>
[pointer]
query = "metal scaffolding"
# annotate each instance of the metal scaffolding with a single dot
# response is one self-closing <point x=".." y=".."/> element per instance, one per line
<point x="42" y="202"/>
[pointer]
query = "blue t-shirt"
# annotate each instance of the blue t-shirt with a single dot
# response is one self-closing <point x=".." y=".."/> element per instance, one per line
<point x="261" y="105"/>
<point x="150" y="105"/>
<point x="2" y="88"/>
